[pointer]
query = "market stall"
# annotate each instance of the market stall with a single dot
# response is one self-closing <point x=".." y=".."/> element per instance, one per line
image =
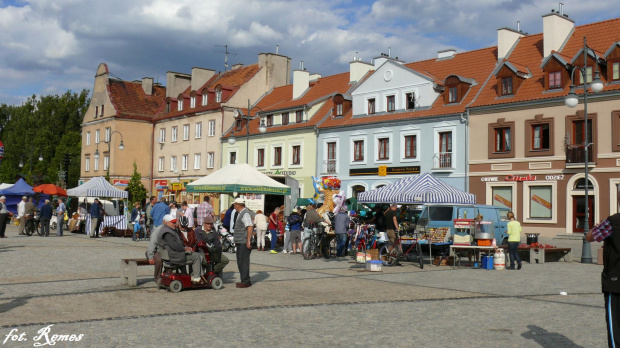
<point x="240" y="179"/>
<point x="15" y="192"/>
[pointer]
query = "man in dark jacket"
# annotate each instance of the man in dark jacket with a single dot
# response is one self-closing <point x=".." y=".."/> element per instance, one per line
<point x="95" y="218"/>
<point x="207" y="234"/>
<point x="179" y="254"/>
<point x="46" y="216"/>
<point x="608" y="232"/>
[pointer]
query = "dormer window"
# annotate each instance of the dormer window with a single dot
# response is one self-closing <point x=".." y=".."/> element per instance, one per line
<point x="299" y="116"/>
<point x="453" y="94"/>
<point x="339" y="109"/>
<point x="410" y="100"/>
<point x="391" y="103"/>
<point x="205" y="99"/>
<point x="269" y="120"/>
<point x="555" y="79"/>
<point x="615" y="71"/>
<point x="507" y="86"/>
<point x="192" y="102"/>
<point x="284" y="118"/>
<point x="167" y="106"/>
<point x="239" y="125"/>
<point x="218" y="95"/>
<point x="180" y="105"/>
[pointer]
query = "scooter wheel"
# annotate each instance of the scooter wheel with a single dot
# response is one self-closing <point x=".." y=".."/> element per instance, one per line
<point x="176" y="286"/>
<point x="216" y="283"/>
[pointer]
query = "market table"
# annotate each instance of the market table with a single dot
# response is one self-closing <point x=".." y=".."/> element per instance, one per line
<point x="117" y="221"/>
<point x="475" y="248"/>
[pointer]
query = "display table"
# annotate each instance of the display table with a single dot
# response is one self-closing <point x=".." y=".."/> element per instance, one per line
<point x="117" y="221"/>
<point x="537" y="255"/>
<point x="475" y="248"/>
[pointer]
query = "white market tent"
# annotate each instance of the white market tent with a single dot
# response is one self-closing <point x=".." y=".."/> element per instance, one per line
<point x="424" y="188"/>
<point x="240" y="178"/>
<point x="5" y="186"/>
<point x="97" y="187"/>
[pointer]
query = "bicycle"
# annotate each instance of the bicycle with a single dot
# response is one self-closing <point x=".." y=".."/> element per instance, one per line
<point x="32" y="225"/>
<point x="391" y="256"/>
<point x="313" y="246"/>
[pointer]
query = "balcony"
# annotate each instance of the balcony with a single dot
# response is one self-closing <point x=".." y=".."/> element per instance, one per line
<point x="329" y="166"/>
<point x="442" y="161"/>
<point x="576" y="155"/>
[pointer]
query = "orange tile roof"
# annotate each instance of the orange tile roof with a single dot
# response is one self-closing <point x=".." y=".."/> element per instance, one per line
<point x="130" y="101"/>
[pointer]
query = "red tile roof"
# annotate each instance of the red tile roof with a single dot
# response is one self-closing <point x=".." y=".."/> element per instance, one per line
<point x="130" y="101"/>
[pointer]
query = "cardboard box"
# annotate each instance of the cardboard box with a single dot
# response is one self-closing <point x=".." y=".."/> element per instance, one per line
<point x="374" y="254"/>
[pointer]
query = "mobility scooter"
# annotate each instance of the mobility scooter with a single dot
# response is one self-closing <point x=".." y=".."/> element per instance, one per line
<point x="176" y="277"/>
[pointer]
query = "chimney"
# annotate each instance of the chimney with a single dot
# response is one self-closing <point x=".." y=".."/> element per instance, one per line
<point x="315" y="76"/>
<point x="556" y="29"/>
<point x="176" y="83"/>
<point x="506" y="39"/>
<point x="236" y="66"/>
<point x="147" y="85"/>
<point x="357" y="70"/>
<point x="446" y="54"/>
<point x="301" y="81"/>
<point x="200" y="76"/>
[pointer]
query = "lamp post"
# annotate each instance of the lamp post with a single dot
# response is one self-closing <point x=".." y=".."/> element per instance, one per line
<point x="120" y="147"/>
<point x="262" y="128"/>
<point x="21" y="161"/>
<point x="571" y="101"/>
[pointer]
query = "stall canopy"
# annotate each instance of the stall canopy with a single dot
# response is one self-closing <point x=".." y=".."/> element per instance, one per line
<point x="21" y="188"/>
<point x="97" y="187"/>
<point x="419" y="189"/>
<point x="14" y="195"/>
<point x="240" y="178"/>
<point x="50" y="189"/>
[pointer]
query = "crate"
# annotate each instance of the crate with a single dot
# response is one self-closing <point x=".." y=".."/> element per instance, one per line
<point x="373" y="266"/>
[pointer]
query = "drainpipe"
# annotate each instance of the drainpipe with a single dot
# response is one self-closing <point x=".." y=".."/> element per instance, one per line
<point x="466" y="121"/>
<point x="152" y="159"/>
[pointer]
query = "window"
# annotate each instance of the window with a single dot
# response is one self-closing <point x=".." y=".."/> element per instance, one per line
<point x="96" y="111"/>
<point x="541" y="202"/>
<point x="296" y="154"/>
<point x="160" y="164"/>
<point x="502" y="196"/>
<point x="233" y="158"/>
<point x="96" y="164"/>
<point x="540" y="137"/>
<point x="173" y="133"/>
<point x="180" y="105"/>
<point x="410" y="100"/>
<point x="198" y="130"/>
<point x="579" y="131"/>
<point x="210" y="159"/>
<point x="339" y="109"/>
<point x="192" y="102"/>
<point x="269" y="120"/>
<point x="87" y="164"/>
<point x="445" y="150"/>
<point x="97" y="136"/>
<point x="162" y="135"/>
<point x="260" y="157"/>
<point x="453" y="94"/>
<point x="284" y="118"/>
<point x="410" y="146"/>
<point x="331" y="151"/>
<point x="108" y="134"/>
<point x="212" y="128"/>
<point x="87" y="138"/>
<point x="507" y="85"/>
<point x="502" y="139"/>
<point x="615" y="71"/>
<point x="555" y="79"/>
<point x="358" y="150"/>
<point x="277" y="156"/>
<point x="371" y="106"/>
<point x="238" y="125"/>
<point x="384" y="148"/>
<point x="101" y="111"/>
<point x="218" y="95"/>
<point x="197" y="160"/>
<point x="205" y="99"/>
<point x="391" y="104"/>
<point x="173" y="163"/>
<point x="186" y="132"/>
<point x="588" y="74"/>
<point x="184" y="162"/>
<point x="299" y="116"/>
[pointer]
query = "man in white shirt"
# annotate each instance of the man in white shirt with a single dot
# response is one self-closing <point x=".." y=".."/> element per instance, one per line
<point x="21" y="212"/>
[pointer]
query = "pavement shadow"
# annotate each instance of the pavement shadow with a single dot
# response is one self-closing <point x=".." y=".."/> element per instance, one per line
<point x="260" y="276"/>
<point x="544" y="338"/>
<point x="6" y="248"/>
<point x="18" y="302"/>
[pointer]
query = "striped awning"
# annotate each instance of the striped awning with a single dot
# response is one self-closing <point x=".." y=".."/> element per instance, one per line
<point x="424" y="188"/>
<point x="97" y="187"/>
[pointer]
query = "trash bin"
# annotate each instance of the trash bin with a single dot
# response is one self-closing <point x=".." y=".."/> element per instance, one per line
<point x="532" y="238"/>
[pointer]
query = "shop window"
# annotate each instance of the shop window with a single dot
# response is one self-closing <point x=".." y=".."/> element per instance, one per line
<point x="391" y="103"/>
<point x="555" y="79"/>
<point x="384" y="149"/>
<point x="260" y="157"/>
<point x="541" y="202"/>
<point x="410" y="146"/>
<point x="371" y="106"/>
<point x="507" y="86"/>
<point x="299" y="116"/>
<point x="502" y="140"/>
<point x="410" y="100"/>
<point x="453" y="94"/>
<point x="296" y="155"/>
<point x="358" y="150"/>
<point x="502" y="196"/>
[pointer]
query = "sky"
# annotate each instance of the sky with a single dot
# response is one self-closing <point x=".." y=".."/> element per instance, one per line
<point x="51" y="46"/>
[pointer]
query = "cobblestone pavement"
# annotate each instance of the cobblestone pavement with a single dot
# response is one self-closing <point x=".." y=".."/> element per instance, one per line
<point x="73" y="283"/>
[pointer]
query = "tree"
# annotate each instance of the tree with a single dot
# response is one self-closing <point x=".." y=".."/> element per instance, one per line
<point x="137" y="191"/>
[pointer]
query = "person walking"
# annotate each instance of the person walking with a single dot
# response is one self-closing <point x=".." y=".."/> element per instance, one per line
<point x="243" y="229"/>
<point x="135" y="220"/>
<point x="294" y="226"/>
<point x="4" y="215"/>
<point x="158" y="212"/>
<point x="204" y="209"/>
<point x="341" y="225"/>
<point x="46" y="216"/>
<point x="95" y="217"/>
<point x="608" y="232"/>
<point x="514" y="239"/>
<point x="60" y="216"/>
<point x="21" y="214"/>
<point x="260" y="220"/>
<point x="149" y="219"/>
<point x="227" y="218"/>
<point x="273" y="229"/>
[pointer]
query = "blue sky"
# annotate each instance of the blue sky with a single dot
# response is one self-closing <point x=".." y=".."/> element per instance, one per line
<point x="50" y="46"/>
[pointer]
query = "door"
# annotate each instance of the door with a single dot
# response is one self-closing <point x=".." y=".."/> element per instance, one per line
<point x="579" y="213"/>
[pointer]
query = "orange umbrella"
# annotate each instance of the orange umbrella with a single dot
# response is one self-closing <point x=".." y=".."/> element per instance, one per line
<point x="50" y="189"/>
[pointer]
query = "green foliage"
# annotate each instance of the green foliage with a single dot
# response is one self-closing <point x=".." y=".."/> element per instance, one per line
<point x="137" y="191"/>
<point x="47" y="126"/>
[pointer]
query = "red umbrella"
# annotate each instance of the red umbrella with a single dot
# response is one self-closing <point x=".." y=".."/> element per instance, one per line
<point x="50" y="189"/>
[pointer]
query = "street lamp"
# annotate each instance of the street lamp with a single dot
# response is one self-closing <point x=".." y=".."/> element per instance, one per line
<point x="571" y="101"/>
<point x="239" y="115"/>
<point x="120" y="147"/>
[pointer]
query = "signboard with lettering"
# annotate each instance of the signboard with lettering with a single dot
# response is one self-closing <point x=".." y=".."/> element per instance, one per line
<point x="176" y="186"/>
<point x="161" y="184"/>
<point x="120" y="182"/>
<point x="384" y="171"/>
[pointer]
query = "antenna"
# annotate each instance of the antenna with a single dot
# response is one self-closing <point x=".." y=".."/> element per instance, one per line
<point x="226" y="53"/>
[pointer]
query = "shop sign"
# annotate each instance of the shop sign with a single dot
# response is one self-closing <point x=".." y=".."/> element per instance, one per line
<point x="161" y="184"/>
<point x="281" y="172"/>
<point x="121" y="182"/>
<point x="489" y="179"/>
<point x="520" y="178"/>
<point x="385" y="170"/>
<point x="555" y="177"/>
<point x="177" y="186"/>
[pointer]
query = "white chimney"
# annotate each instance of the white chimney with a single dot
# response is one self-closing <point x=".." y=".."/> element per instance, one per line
<point x="357" y="70"/>
<point x="147" y="85"/>
<point x="506" y="39"/>
<point x="445" y="54"/>
<point x="556" y="29"/>
<point x="301" y="81"/>
<point x="314" y="76"/>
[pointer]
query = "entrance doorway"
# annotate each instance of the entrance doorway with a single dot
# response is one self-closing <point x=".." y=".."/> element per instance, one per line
<point x="579" y="213"/>
<point x="356" y="190"/>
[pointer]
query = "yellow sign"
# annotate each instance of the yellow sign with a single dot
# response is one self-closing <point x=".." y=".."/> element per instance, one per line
<point x="382" y="170"/>
<point x="176" y="186"/>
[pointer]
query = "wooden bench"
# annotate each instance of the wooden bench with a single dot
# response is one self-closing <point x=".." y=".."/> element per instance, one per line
<point x="129" y="270"/>
<point x="538" y="255"/>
